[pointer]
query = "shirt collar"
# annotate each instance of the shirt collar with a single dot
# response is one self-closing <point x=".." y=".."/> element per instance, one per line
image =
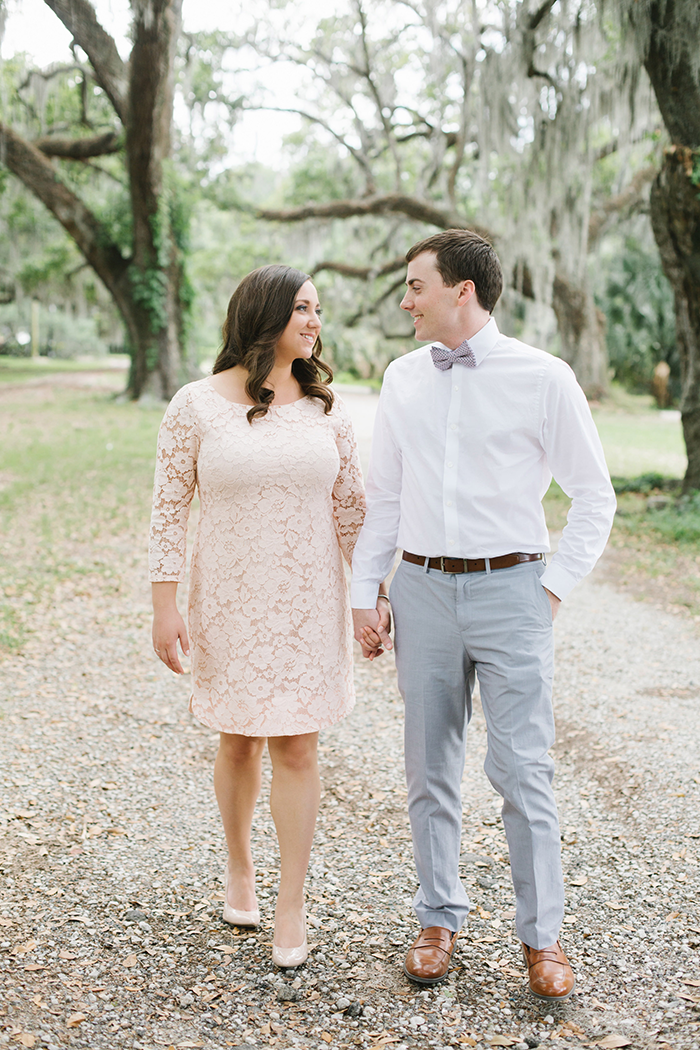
<point x="481" y="343"/>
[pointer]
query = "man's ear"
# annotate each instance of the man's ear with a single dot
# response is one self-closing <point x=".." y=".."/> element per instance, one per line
<point x="466" y="291"/>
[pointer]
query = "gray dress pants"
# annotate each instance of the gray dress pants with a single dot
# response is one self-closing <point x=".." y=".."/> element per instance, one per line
<point x="497" y="625"/>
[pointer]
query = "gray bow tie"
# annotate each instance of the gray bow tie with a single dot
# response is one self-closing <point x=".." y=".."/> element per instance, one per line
<point x="444" y="359"/>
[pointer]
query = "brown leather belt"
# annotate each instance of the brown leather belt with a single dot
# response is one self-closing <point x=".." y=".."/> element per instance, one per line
<point x="453" y="565"/>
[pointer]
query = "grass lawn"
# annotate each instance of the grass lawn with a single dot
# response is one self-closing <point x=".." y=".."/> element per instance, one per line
<point x="22" y="369"/>
<point x="76" y="471"/>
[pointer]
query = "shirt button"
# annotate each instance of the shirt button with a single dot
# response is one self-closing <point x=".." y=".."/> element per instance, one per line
<point x="449" y="503"/>
<point x="456" y="388"/>
<point x="452" y="543"/>
<point x="453" y="427"/>
<point x="449" y="464"/>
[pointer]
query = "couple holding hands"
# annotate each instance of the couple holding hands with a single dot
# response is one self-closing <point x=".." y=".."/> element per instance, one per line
<point x="470" y="429"/>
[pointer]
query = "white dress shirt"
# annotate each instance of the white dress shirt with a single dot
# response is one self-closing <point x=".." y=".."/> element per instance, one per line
<point x="461" y="459"/>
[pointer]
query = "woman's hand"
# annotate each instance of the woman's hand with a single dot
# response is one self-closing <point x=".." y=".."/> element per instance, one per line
<point x="168" y="626"/>
<point x="374" y="635"/>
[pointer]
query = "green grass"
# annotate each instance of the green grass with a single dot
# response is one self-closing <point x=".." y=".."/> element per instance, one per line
<point x="20" y="369"/>
<point x="76" y="472"/>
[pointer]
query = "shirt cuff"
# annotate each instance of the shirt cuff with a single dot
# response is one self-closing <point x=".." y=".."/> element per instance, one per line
<point x="558" y="581"/>
<point x="363" y="595"/>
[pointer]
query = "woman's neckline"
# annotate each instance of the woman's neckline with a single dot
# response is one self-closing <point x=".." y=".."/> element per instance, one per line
<point x="246" y="404"/>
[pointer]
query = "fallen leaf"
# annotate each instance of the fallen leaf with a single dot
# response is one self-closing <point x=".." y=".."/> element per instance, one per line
<point x="22" y="949"/>
<point x="580" y="881"/>
<point x="616" y="907"/>
<point x="692" y="984"/>
<point x="679" y="995"/>
<point x="130" y="960"/>
<point x="63" y="954"/>
<point x="227" y="949"/>
<point x="327" y="1037"/>
<point x="467" y="1040"/>
<point x="26" y="1038"/>
<point x="5" y="921"/>
<point x="34" y="966"/>
<point x="504" y="1040"/>
<point x="612" y="1041"/>
<point x="264" y="1029"/>
<point x="75" y="1019"/>
<point x="190" y="1044"/>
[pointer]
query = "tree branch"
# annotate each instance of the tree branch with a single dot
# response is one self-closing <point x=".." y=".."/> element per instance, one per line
<point x="39" y="176"/>
<point x="365" y="273"/>
<point x="540" y="14"/>
<point x="412" y="208"/>
<point x="79" y="18"/>
<point x="631" y="195"/>
<point x="80" y="149"/>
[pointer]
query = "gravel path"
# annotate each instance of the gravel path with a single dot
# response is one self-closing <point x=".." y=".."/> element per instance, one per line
<point x="110" y="893"/>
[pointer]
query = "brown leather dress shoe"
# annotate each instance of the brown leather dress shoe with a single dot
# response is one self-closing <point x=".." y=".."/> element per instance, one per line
<point x="551" y="976"/>
<point x="428" y="959"/>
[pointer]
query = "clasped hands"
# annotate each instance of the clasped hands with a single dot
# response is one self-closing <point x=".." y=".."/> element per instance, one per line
<point x="372" y="628"/>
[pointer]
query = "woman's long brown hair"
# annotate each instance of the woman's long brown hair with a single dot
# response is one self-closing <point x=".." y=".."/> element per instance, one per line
<point x="258" y="313"/>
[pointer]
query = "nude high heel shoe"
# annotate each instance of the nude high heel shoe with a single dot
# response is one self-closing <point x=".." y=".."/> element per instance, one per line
<point x="285" y="957"/>
<point x="234" y="916"/>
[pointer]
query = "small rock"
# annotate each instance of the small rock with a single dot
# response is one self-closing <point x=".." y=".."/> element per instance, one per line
<point x="342" y="1003"/>
<point x="288" y="994"/>
<point x="354" y="1010"/>
<point x="186" y="1000"/>
<point x="531" y="1041"/>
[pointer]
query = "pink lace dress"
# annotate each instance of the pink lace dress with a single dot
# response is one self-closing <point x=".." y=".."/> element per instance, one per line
<point x="281" y="503"/>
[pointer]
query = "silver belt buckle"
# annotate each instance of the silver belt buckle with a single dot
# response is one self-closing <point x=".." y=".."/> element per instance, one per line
<point x="447" y="572"/>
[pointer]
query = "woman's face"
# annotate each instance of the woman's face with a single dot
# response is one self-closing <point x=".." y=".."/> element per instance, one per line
<point x="303" y="327"/>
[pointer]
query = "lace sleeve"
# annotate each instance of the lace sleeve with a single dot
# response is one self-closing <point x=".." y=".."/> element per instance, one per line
<point x="173" y="489"/>
<point x="348" y="491"/>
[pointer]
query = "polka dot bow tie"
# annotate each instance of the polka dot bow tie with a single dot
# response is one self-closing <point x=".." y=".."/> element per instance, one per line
<point x="444" y="359"/>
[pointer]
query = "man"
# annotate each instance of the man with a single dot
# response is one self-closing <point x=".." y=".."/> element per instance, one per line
<point x="468" y="435"/>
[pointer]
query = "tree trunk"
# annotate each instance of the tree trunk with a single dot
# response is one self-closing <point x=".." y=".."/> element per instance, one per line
<point x="675" y="216"/>
<point x="582" y="332"/>
<point x="156" y="267"/>
<point x="675" y="200"/>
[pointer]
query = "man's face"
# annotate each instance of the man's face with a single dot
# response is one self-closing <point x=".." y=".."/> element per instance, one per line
<point x="432" y="304"/>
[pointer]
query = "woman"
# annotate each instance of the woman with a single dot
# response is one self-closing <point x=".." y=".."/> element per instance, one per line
<point x="272" y="453"/>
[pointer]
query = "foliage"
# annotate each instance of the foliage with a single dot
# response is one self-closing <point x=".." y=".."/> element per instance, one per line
<point x="679" y="522"/>
<point x="637" y="301"/>
<point x="646" y="483"/>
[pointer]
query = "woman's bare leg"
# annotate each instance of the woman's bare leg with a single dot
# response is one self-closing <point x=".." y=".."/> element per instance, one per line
<point x="237" y="773"/>
<point x="294" y="799"/>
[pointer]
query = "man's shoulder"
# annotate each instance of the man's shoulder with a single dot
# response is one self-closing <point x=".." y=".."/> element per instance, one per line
<point x="542" y="360"/>
<point x="414" y="360"/>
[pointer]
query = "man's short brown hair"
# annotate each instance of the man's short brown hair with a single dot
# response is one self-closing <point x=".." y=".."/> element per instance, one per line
<point x="464" y="256"/>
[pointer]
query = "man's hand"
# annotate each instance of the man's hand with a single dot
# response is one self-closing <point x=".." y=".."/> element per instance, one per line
<point x="554" y="602"/>
<point x="372" y="628"/>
